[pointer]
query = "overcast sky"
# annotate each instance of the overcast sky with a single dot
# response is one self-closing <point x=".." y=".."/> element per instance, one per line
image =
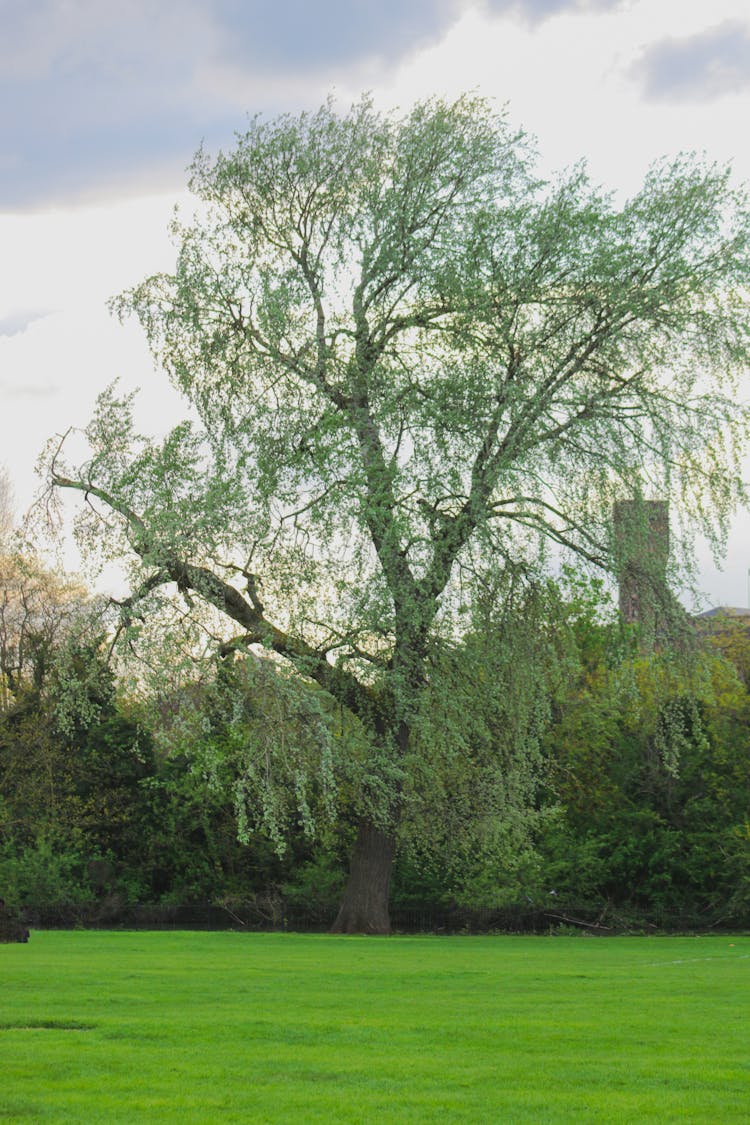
<point x="102" y="105"/>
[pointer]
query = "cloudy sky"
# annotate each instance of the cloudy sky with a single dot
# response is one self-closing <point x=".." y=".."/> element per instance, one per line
<point x="102" y="105"/>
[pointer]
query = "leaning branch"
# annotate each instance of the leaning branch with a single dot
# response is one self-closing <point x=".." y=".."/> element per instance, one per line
<point x="213" y="590"/>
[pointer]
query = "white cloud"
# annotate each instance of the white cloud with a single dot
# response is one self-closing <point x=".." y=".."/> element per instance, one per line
<point x="18" y="320"/>
<point x="51" y="372"/>
<point x="95" y="94"/>
<point x="702" y="67"/>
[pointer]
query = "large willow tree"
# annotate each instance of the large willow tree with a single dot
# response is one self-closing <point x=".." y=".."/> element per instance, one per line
<point x="412" y="367"/>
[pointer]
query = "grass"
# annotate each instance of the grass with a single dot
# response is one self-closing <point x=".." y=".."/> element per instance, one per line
<point x="130" y="1027"/>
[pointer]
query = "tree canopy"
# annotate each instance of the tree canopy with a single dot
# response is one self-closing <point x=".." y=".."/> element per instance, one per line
<point x="413" y="369"/>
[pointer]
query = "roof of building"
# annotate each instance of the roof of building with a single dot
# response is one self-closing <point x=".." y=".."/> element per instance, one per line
<point x="726" y="611"/>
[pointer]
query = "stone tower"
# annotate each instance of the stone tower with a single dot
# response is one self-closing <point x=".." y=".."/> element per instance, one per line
<point x="641" y="552"/>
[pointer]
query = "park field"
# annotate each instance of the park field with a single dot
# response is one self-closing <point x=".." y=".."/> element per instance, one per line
<point x="195" y="1027"/>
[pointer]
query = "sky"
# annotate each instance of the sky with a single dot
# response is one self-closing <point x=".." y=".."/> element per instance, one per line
<point x="103" y="104"/>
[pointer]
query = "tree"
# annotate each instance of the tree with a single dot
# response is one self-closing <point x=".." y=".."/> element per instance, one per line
<point x="648" y="769"/>
<point x="39" y="610"/>
<point x="75" y="813"/>
<point x="413" y="367"/>
<point x="6" y="507"/>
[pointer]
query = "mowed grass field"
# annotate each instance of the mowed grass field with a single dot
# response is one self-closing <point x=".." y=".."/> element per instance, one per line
<point x="191" y="1027"/>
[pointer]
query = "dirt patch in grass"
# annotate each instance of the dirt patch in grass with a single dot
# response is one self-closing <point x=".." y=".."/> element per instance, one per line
<point x="46" y="1025"/>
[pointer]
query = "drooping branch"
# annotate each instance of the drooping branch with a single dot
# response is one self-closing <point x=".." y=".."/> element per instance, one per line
<point x="127" y="606"/>
<point x="213" y="590"/>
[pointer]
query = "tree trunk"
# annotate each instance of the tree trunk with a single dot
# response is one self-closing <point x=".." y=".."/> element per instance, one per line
<point x="364" y="907"/>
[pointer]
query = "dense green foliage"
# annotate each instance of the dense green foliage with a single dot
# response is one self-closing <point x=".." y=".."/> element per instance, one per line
<point x="632" y="808"/>
<point x="71" y="766"/>
<point x="280" y="1028"/>
<point x="650" y="764"/>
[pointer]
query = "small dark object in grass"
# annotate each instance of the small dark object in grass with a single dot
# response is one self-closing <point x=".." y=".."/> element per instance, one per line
<point x="11" y="926"/>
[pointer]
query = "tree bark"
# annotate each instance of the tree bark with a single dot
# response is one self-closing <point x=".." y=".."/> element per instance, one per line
<point x="364" y="907"/>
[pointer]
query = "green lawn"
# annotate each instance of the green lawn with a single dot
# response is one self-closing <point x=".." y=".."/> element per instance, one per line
<point x="260" y="1028"/>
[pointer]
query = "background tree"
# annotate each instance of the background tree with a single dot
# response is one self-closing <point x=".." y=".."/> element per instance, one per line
<point x="649" y="764"/>
<point x="39" y="610"/>
<point x="74" y="815"/>
<point x="6" y="508"/>
<point x="414" y="367"/>
<point x="71" y="762"/>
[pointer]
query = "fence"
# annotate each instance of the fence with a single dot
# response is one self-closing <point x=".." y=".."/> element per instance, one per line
<point x="253" y="917"/>
<point x="265" y="915"/>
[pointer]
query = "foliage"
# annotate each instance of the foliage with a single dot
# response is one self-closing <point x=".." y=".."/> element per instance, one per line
<point x="573" y="770"/>
<point x="412" y="368"/>
<point x="263" y="736"/>
<point x="39" y="610"/>
<point x="45" y="871"/>
<point x="478" y="752"/>
<point x="314" y="888"/>
<point x="650" y="765"/>
<point x="73" y="810"/>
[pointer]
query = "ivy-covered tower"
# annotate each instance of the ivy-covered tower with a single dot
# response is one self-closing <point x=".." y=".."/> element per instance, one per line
<point x="641" y="550"/>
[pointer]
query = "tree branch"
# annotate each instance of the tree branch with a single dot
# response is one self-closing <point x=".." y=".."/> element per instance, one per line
<point x="228" y="600"/>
